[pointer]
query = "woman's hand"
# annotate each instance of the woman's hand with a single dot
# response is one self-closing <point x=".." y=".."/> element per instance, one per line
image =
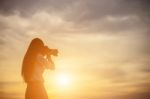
<point x="50" y="63"/>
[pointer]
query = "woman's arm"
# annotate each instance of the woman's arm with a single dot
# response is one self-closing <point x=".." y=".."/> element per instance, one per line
<point x="46" y="62"/>
<point x="51" y="64"/>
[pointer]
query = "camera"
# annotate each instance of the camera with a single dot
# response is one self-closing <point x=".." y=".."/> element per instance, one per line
<point x="49" y="51"/>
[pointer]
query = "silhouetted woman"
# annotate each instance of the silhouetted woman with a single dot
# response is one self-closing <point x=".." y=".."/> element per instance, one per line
<point x="35" y="61"/>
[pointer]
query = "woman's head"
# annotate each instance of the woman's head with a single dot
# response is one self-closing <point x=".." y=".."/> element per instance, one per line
<point x="36" y="46"/>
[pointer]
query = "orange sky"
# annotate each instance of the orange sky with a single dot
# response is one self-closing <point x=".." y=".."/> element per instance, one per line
<point x="104" y="53"/>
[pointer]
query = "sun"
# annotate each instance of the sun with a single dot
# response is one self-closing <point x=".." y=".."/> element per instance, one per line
<point x="63" y="80"/>
<point x="58" y="80"/>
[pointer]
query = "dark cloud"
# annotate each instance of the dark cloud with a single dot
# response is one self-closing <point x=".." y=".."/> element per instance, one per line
<point x="28" y="7"/>
<point x="126" y="14"/>
<point x="110" y="16"/>
<point x="142" y="92"/>
<point x="137" y="95"/>
<point x="93" y="10"/>
<point x="84" y="9"/>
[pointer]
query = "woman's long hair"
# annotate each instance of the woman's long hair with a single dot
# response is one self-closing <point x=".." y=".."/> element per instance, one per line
<point x="29" y="59"/>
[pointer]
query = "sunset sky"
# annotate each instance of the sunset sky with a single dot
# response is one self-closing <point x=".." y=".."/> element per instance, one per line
<point x="104" y="49"/>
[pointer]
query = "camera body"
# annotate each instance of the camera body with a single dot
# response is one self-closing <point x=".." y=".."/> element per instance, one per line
<point x="49" y="51"/>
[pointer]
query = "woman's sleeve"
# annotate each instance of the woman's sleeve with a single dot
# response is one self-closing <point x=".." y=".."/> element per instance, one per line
<point x="48" y="63"/>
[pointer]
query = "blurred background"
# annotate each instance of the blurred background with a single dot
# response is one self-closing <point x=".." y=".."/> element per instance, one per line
<point x="104" y="50"/>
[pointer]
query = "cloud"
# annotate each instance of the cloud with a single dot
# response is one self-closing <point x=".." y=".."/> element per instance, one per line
<point x="98" y="18"/>
<point x="80" y="9"/>
<point x="136" y="95"/>
<point x="97" y="15"/>
<point x="112" y="37"/>
<point x="29" y="7"/>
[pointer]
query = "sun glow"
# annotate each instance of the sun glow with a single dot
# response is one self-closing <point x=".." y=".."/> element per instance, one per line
<point x="63" y="80"/>
<point x="58" y="80"/>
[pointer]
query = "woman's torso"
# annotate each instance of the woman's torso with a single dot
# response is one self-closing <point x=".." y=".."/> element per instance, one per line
<point x="38" y="69"/>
